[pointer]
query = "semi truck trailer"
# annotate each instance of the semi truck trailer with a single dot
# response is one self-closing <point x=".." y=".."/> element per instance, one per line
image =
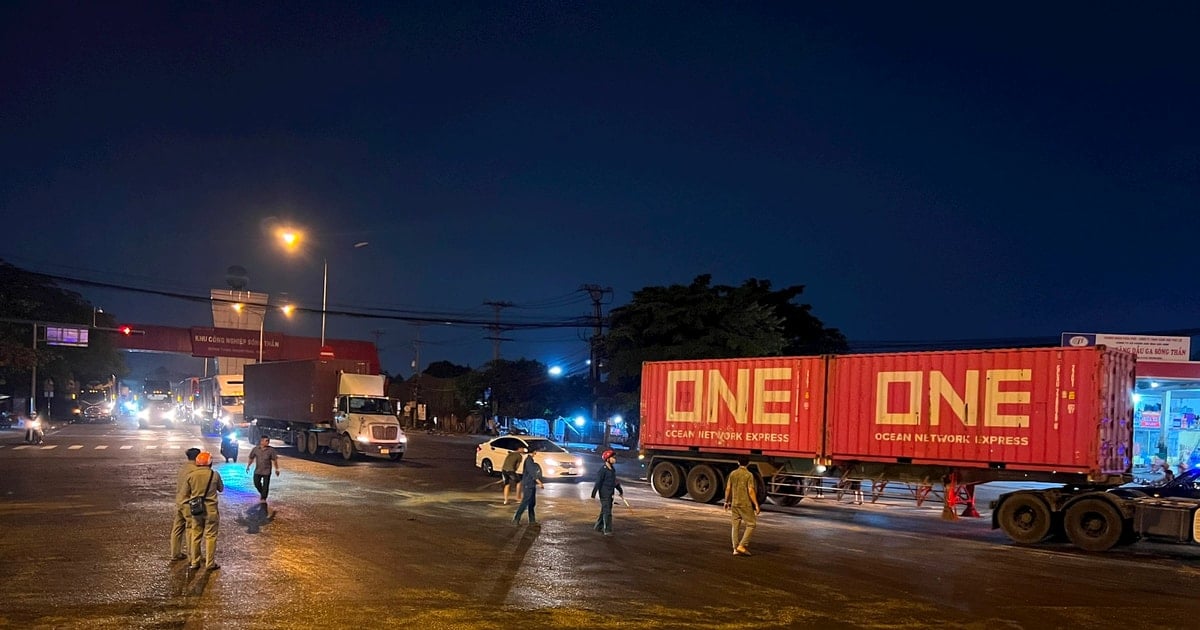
<point x="950" y="419"/>
<point x="323" y="405"/>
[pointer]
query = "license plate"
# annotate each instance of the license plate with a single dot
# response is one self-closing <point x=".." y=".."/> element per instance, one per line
<point x="383" y="451"/>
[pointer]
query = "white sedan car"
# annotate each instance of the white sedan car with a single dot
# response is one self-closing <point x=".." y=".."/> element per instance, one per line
<point x="556" y="461"/>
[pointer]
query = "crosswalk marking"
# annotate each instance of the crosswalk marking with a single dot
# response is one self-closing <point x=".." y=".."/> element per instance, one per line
<point x="175" y="447"/>
<point x="23" y="446"/>
<point x="50" y="446"/>
<point x="74" y="447"/>
<point x="126" y="447"/>
<point x="151" y="446"/>
<point x="101" y="447"/>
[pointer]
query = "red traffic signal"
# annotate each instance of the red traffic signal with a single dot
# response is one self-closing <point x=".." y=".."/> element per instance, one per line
<point x="126" y="330"/>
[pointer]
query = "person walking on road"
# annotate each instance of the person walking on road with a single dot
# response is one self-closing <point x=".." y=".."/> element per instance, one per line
<point x="508" y="472"/>
<point x="204" y="482"/>
<point x="531" y="480"/>
<point x="741" y="497"/>
<point x="262" y="456"/>
<point x="179" y="539"/>
<point x="606" y="483"/>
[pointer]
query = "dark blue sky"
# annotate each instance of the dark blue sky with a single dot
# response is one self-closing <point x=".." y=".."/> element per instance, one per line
<point x="928" y="171"/>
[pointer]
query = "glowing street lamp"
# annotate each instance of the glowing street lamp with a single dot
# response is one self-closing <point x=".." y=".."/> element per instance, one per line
<point x="286" y="309"/>
<point x="291" y="239"/>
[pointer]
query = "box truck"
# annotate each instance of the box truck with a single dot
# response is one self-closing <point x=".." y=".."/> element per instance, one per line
<point x="323" y="405"/>
<point x="955" y="419"/>
<point x="220" y="402"/>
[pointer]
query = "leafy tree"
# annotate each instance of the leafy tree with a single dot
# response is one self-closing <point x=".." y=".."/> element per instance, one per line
<point x="703" y="321"/>
<point x="446" y="369"/>
<point x="29" y="296"/>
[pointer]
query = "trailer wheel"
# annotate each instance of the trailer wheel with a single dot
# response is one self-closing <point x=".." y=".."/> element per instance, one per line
<point x="347" y="447"/>
<point x="1094" y="525"/>
<point x="1025" y="518"/>
<point x="703" y="483"/>
<point x="667" y="480"/>
<point x="788" y="494"/>
<point x="311" y="446"/>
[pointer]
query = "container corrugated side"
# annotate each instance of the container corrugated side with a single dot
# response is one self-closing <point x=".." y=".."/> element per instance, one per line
<point x="1044" y="409"/>
<point x="769" y="405"/>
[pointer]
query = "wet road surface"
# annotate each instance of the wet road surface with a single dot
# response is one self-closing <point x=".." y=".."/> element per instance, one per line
<point x="425" y="543"/>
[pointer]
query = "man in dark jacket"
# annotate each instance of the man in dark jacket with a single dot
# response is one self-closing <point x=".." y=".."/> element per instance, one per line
<point x="606" y="482"/>
<point x="531" y="480"/>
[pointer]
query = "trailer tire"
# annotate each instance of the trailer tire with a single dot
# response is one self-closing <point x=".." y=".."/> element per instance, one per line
<point x="788" y="494"/>
<point x="347" y="449"/>
<point x="311" y="446"/>
<point x="667" y="480"/>
<point x="1094" y="525"/>
<point x="704" y="483"/>
<point x="1025" y="518"/>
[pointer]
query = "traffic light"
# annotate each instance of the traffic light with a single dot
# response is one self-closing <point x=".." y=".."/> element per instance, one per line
<point x="126" y="330"/>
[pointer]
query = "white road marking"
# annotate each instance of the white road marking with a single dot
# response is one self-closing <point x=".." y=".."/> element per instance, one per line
<point x="46" y="448"/>
<point x="126" y="447"/>
<point x="150" y="446"/>
<point x="23" y="446"/>
<point x="101" y="447"/>
<point x="175" y="447"/>
<point x="74" y="447"/>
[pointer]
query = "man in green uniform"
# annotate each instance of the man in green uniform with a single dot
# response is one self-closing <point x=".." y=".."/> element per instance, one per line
<point x="741" y="496"/>
<point x="179" y="540"/>
<point x="204" y="482"/>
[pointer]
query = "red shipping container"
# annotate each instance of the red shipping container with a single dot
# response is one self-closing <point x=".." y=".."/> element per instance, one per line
<point x="771" y="405"/>
<point x="1045" y="409"/>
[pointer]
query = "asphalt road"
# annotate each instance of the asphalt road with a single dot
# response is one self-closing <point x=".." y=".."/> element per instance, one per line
<point x="425" y="543"/>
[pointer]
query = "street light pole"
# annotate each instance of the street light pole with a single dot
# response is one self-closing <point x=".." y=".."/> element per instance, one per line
<point x="324" y="296"/>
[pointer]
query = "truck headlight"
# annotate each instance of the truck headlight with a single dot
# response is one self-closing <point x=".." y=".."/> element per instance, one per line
<point x="364" y="439"/>
<point x="403" y="438"/>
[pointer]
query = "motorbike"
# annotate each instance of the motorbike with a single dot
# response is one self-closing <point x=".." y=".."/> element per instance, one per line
<point x="229" y="444"/>
<point x="34" y="431"/>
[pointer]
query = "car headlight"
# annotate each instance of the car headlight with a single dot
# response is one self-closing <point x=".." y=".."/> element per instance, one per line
<point x="169" y="414"/>
<point x="551" y="462"/>
<point x="144" y="414"/>
<point x="364" y="439"/>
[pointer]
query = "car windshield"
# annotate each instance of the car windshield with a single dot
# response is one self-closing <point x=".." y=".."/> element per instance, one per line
<point x="545" y="446"/>
<point x="93" y="397"/>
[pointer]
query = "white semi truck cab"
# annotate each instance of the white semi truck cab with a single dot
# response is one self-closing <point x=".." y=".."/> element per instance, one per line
<point x="363" y="412"/>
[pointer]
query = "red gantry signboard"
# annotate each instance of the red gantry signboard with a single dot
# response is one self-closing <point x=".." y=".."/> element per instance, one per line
<point x="232" y="342"/>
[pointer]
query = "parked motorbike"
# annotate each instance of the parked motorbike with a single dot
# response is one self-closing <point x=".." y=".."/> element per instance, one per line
<point x="229" y="444"/>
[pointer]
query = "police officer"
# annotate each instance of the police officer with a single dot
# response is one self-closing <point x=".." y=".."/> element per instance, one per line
<point x="204" y="482"/>
<point x="606" y="483"/>
<point x="179" y="539"/>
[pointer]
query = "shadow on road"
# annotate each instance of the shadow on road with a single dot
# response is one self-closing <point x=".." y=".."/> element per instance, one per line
<point x="255" y="517"/>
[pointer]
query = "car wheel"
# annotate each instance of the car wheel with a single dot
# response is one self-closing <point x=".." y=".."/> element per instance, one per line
<point x="487" y="468"/>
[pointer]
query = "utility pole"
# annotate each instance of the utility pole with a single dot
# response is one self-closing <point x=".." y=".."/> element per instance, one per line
<point x="496" y="339"/>
<point x="597" y="294"/>
<point x="496" y="328"/>
<point x="416" y="368"/>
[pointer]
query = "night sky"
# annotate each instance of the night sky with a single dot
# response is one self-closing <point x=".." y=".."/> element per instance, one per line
<point x="927" y="171"/>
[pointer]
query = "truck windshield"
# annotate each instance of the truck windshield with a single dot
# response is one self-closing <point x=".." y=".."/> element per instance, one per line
<point x="371" y="405"/>
<point x="230" y="401"/>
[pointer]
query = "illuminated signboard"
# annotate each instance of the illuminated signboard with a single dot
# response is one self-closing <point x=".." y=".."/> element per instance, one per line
<point x="60" y="336"/>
